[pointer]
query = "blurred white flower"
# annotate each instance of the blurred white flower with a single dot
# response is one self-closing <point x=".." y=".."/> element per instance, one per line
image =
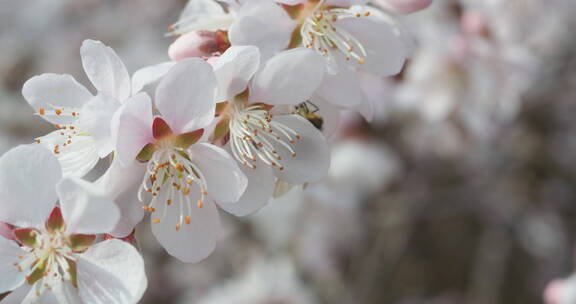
<point x="561" y="291"/>
<point x="274" y="281"/>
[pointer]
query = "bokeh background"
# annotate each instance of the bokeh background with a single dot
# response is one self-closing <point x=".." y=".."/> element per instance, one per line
<point x="463" y="189"/>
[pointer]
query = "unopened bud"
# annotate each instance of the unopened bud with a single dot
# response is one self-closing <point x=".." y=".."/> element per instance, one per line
<point x="403" y="6"/>
<point x="199" y="44"/>
<point x="7" y="231"/>
<point x="473" y="22"/>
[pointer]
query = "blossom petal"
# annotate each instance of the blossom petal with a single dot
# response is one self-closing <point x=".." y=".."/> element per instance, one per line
<point x="18" y="295"/>
<point x="291" y="2"/>
<point x="194" y="241"/>
<point x="105" y="69"/>
<point x="50" y="92"/>
<point x="64" y="293"/>
<point x="312" y="159"/>
<point x="85" y="207"/>
<point x="46" y="297"/>
<point x="121" y="184"/>
<point x="234" y="69"/>
<point x="386" y="51"/>
<point x="111" y="272"/>
<point x="28" y="174"/>
<point x="185" y="96"/>
<point x="260" y="188"/>
<point x="96" y="119"/>
<point x="11" y="278"/>
<point x="262" y="23"/>
<point x="225" y="181"/>
<point x="132" y="128"/>
<point x="77" y="157"/>
<point x="207" y="15"/>
<point x="149" y="75"/>
<point x="404" y="6"/>
<point x="290" y="77"/>
<point x="329" y="114"/>
<point x="345" y="2"/>
<point x="342" y="89"/>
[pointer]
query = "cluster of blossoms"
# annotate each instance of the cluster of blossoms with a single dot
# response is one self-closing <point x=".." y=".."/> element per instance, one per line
<point x="239" y="115"/>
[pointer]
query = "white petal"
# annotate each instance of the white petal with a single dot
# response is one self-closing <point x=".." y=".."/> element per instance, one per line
<point x="111" y="272"/>
<point x="375" y="96"/>
<point x="132" y="128"/>
<point x="85" y="207"/>
<point x="105" y="69"/>
<point x="149" y="75"/>
<point x="64" y="293"/>
<point x="205" y="15"/>
<point x="403" y="6"/>
<point x="76" y="158"/>
<point x="291" y="2"/>
<point x="224" y="180"/>
<point x="18" y="295"/>
<point x="121" y="184"/>
<point x="260" y="188"/>
<point x="264" y="24"/>
<point x="11" y="278"/>
<point x="53" y="91"/>
<point x="386" y="51"/>
<point x="346" y="2"/>
<point x="234" y="69"/>
<point x="312" y="159"/>
<point x="288" y="78"/>
<point x="330" y="115"/>
<point x="194" y="241"/>
<point x="28" y="175"/>
<point x="96" y="119"/>
<point x="185" y="96"/>
<point x="46" y="297"/>
<point x="342" y="89"/>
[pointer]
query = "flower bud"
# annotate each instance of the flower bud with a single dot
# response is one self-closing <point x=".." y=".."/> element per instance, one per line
<point x="403" y="6"/>
<point x="198" y="44"/>
<point x="473" y="22"/>
<point x="7" y="231"/>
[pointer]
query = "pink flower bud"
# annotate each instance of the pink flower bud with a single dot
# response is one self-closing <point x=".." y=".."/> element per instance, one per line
<point x="198" y="44"/>
<point x="473" y="22"/>
<point x="553" y="292"/>
<point x="403" y="6"/>
<point x="7" y="231"/>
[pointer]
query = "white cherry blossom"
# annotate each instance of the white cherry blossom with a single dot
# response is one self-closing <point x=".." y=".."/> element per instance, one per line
<point x="184" y="178"/>
<point x="83" y="121"/>
<point x="262" y="127"/>
<point x="54" y="257"/>
<point x="354" y="39"/>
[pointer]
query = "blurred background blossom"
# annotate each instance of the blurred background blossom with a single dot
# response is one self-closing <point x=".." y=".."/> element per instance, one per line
<point x="463" y="190"/>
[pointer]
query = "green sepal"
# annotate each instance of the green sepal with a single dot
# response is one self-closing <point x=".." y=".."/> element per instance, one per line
<point x="73" y="270"/>
<point x="185" y="140"/>
<point x="146" y="153"/>
<point x="55" y="222"/>
<point x="26" y="236"/>
<point x="221" y="129"/>
<point x="160" y="128"/>
<point x="81" y="242"/>
<point x="38" y="271"/>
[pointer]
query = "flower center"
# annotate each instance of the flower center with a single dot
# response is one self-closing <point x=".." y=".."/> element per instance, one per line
<point x="171" y="180"/>
<point x="254" y="134"/>
<point x="50" y="261"/>
<point x="319" y="32"/>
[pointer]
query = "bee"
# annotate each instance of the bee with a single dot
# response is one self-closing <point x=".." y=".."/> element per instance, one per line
<point x="310" y="113"/>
